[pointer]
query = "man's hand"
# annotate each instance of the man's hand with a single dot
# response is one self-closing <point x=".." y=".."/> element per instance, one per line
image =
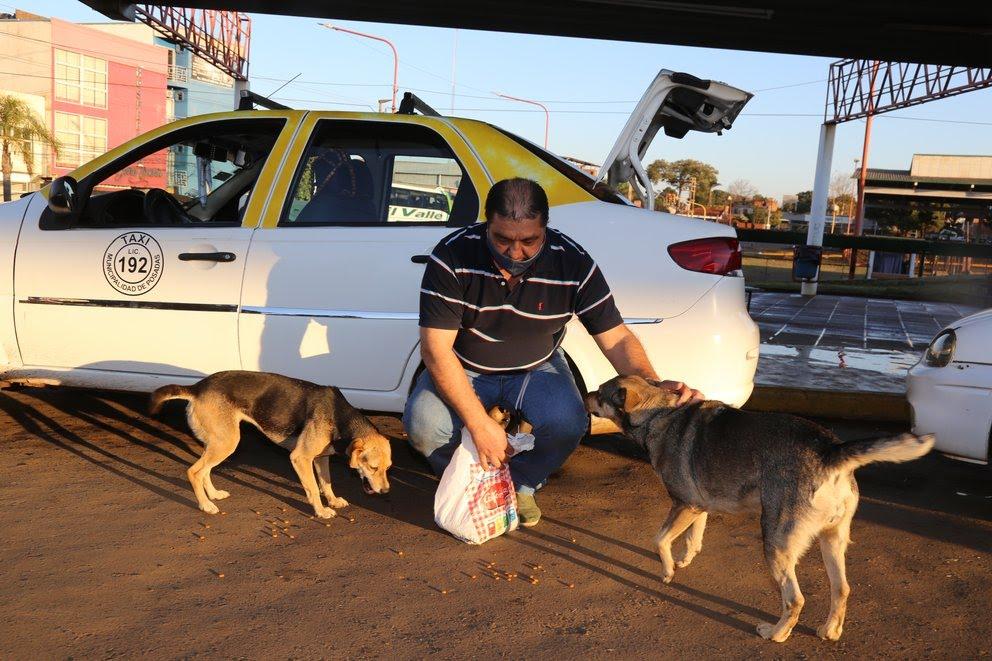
<point x="686" y="394"/>
<point x="490" y="440"/>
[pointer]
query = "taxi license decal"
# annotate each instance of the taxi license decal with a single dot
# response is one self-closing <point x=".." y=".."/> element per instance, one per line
<point x="133" y="263"/>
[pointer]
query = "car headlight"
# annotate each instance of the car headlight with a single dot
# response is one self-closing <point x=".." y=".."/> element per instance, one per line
<point x="941" y="349"/>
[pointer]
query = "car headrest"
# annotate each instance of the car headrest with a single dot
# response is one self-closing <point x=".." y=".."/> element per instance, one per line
<point x="338" y="175"/>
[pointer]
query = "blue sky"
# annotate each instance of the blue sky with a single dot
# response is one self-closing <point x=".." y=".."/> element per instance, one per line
<point x="591" y="86"/>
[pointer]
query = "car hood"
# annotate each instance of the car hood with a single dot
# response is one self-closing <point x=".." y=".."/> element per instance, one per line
<point x="677" y="103"/>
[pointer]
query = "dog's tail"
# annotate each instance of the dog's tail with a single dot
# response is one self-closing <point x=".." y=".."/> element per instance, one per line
<point x="897" y="449"/>
<point x="164" y="394"/>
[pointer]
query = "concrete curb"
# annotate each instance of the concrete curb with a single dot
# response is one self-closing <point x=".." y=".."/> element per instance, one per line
<point x="877" y="406"/>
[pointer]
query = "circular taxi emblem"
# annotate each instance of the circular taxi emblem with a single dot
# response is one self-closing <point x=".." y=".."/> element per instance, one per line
<point x="132" y="263"/>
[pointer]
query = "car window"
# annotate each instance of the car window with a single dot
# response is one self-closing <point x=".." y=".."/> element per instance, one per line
<point x="198" y="175"/>
<point x="379" y="173"/>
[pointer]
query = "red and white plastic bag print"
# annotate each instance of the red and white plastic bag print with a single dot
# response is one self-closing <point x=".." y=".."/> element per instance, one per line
<point x="473" y="504"/>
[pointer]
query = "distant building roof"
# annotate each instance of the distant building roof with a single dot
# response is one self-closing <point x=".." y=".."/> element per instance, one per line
<point x="904" y="176"/>
<point x="931" y="170"/>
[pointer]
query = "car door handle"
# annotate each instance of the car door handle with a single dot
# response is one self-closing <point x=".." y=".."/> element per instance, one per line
<point x="420" y="259"/>
<point x="207" y="257"/>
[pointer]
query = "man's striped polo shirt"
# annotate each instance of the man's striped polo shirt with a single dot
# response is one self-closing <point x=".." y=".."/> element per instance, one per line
<point x="502" y="329"/>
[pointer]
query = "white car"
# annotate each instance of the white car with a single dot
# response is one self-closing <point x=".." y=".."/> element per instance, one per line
<point x="950" y="389"/>
<point x="264" y="240"/>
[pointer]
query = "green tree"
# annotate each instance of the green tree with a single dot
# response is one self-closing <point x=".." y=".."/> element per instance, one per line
<point x="680" y="173"/>
<point x="719" y="197"/>
<point x="19" y="129"/>
<point x="904" y="221"/>
<point x="804" y="201"/>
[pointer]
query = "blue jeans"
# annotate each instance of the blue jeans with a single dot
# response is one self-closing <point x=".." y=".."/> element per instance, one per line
<point x="551" y="404"/>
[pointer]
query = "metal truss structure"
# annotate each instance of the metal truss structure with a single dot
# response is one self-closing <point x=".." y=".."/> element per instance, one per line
<point x="223" y="38"/>
<point x="860" y="88"/>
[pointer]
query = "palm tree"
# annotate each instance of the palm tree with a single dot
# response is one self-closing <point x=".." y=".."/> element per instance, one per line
<point x="19" y="128"/>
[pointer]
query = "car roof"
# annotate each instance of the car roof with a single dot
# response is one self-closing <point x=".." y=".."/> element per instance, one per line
<point x="490" y="156"/>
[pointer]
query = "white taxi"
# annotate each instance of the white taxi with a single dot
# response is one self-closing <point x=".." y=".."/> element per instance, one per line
<point x="293" y="242"/>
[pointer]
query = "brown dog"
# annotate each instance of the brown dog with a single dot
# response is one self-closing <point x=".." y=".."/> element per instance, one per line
<point x="799" y="475"/>
<point x="298" y="415"/>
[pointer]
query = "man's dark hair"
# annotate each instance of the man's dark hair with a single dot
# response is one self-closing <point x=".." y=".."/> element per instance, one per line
<point x="517" y="199"/>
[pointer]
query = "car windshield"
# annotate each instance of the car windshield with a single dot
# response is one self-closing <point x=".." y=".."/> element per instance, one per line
<point x="598" y="189"/>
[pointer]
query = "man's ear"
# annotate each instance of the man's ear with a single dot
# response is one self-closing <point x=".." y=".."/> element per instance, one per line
<point x="354" y="451"/>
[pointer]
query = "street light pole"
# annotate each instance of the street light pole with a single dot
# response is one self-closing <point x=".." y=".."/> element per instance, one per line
<point x="547" y="115"/>
<point x="396" y="57"/>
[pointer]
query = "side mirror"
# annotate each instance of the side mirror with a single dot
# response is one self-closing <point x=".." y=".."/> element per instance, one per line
<point x="62" y="199"/>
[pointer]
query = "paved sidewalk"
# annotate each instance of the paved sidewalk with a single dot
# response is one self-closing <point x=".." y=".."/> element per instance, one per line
<point x="851" y="322"/>
<point x="844" y="343"/>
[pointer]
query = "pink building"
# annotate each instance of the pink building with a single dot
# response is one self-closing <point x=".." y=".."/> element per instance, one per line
<point x="100" y="89"/>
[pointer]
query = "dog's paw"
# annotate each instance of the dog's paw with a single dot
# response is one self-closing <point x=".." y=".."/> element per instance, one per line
<point x="685" y="559"/>
<point x="338" y="503"/>
<point x="220" y="495"/>
<point x="767" y="631"/>
<point x="667" y="577"/>
<point x="325" y="512"/>
<point x="209" y="507"/>
<point x="829" y="631"/>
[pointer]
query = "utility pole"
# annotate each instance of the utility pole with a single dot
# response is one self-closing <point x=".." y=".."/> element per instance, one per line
<point x="396" y="56"/>
<point x="859" y="218"/>
<point x="454" y="55"/>
<point x="547" y="115"/>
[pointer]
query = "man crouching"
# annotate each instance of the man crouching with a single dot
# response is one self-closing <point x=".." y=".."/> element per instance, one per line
<point x="494" y="302"/>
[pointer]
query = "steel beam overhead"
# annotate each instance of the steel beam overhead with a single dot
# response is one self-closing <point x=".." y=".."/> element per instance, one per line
<point x="853" y="94"/>
<point x="951" y="32"/>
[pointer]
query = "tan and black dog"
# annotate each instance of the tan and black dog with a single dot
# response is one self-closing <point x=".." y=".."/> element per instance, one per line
<point x="799" y="475"/>
<point x="300" y="416"/>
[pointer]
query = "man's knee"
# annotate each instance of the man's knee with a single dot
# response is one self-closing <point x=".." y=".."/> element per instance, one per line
<point x="565" y="426"/>
<point x="427" y="422"/>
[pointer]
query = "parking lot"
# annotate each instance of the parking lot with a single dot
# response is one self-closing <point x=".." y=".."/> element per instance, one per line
<point x="106" y="555"/>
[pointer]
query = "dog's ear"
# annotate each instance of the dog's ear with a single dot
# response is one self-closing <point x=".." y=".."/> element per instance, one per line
<point x="625" y="399"/>
<point x="354" y="452"/>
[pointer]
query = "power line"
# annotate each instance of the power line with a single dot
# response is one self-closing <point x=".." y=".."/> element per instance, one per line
<point x="782" y="87"/>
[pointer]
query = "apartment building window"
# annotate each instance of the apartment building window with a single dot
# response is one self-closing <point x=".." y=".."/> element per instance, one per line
<point x="80" y="79"/>
<point x="83" y="138"/>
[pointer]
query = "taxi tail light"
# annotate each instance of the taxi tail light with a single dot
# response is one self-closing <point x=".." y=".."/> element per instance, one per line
<point x="717" y="255"/>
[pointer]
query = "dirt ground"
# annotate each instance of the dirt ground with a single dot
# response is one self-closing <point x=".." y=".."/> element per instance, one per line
<point x="104" y="554"/>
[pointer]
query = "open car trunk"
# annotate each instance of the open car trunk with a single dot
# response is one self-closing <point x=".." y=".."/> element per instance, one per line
<point x="677" y="103"/>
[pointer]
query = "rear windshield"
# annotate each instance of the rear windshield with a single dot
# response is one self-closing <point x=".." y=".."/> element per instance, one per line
<point x="599" y="190"/>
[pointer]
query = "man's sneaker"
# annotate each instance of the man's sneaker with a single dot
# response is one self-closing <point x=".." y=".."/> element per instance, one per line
<point x="527" y="509"/>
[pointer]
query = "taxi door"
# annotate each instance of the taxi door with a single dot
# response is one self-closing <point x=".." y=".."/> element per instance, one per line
<point x="332" y="288"/>
<point x="145" y="276"/>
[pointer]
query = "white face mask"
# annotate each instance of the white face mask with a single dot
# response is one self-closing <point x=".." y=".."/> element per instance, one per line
<point x="515" y="267"/>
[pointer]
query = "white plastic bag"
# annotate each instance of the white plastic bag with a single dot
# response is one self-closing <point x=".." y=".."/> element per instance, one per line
<point x="473" y="504"/>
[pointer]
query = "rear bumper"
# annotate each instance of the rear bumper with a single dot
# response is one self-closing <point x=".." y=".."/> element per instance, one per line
<point x="712" y="346"/>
